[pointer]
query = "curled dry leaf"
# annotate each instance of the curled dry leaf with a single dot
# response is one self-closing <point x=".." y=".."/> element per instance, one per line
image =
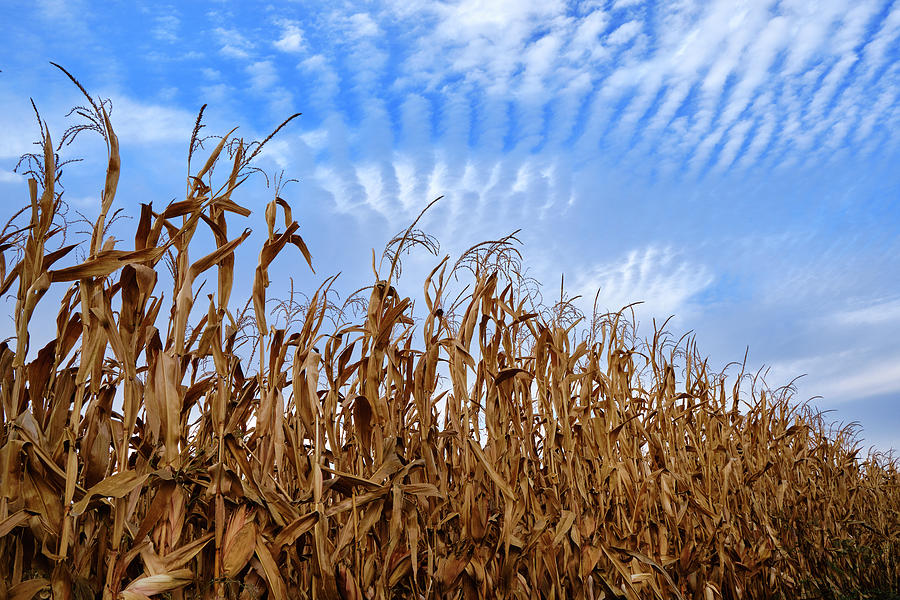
<point x="114" y="486"/>
<point x="151" y="585"/>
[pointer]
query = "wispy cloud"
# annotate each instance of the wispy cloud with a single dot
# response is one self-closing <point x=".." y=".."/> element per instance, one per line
<point x="659" y="278"/>
<point x="56" y="9"/>
<point x="839" y="378"/>
<point x="10" y="177"/>
<point x="233" y="44"/>
<point x="361" y="25"/>
<point x="166" y="26"/>
<point x="879" y="312"/>
<point x="262" y="75"/>
<point x="138" y="122"/>
<point x="291" y="39"/>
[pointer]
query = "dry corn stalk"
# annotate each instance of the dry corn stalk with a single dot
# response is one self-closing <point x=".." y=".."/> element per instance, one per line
<point x="340" y="465"/>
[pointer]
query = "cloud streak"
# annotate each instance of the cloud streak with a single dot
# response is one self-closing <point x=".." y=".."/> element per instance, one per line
<point x="707" y="86"/>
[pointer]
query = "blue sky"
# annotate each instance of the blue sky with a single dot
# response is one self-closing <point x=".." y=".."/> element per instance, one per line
<point x="730" y="163"/>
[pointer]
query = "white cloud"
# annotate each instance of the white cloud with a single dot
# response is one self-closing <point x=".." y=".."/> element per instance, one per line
<point x="317" y="139"/>
<point x="486" y="15"/>
<point x="759" y="142"/>
<point x="167" y="94"/>
<point x="736" y="138"/>
<point x="879" y="312"/>
<point x="883" y="103"/>
<point x="623" y="4"/>
<point x="91" y="203"/>
<point x="624" y="33"/>
<point x="20" y="128"/>
<point x="56" y="9"/>
<point x="215" y="93"/>
<point x="137" y="122"/>
<point x="291" y="39"/>
<point x="844" y="376"/>
<point x="278" y="151"/>
<point x="882" y="377"/>
<point x="14" y="146"/>
<point x="875" y="52"/>
<point x="233" y="44"/>
<point x="166" y="27"/>
<point x="327" y="81"/>
<point x="656" y="276"/>
<point x="585" y="38"/>
<point x="262" y="75"/>
<point x="362" y="25"/>
<point x="483" y="40"/>
<point x="10" y="177"/>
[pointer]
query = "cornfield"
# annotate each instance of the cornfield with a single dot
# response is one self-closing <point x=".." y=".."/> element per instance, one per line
<point x="487" y="446"/>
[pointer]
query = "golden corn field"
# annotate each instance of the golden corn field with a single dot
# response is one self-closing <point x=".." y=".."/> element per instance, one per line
<point x="167" y="445"/>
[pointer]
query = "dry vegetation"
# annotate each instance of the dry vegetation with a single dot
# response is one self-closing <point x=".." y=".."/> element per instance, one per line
<point x="489" y="449"/>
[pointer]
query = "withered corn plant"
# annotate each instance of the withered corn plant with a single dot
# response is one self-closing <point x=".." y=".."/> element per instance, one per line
<point x="488" y="449"/>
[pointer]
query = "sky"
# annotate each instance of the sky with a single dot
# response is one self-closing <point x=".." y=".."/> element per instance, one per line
<point x="731" y="164"/>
